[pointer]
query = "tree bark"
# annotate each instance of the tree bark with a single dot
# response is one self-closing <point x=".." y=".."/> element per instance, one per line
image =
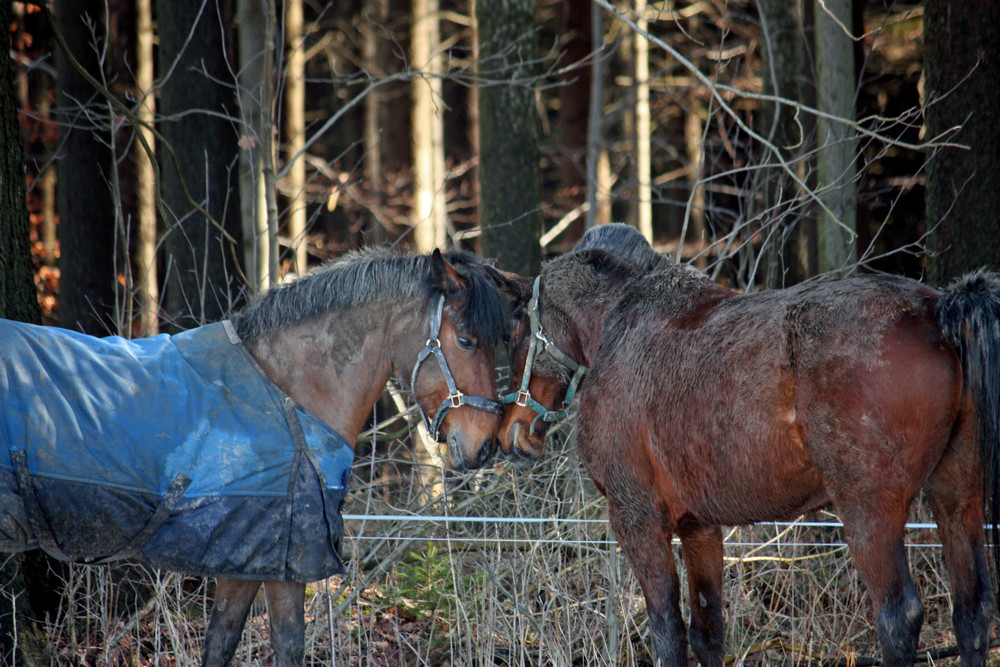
<point x="643" y="125"/>
<point x="87" y="280"/>
<point x="784" y="51"/>
<point x="374" y="54"/>
<point x="254" y="68"/>
<point x="430" y="211"/>
<point x="598" y="187"/>
<point x="961" y="69"/>
<point x="147" y="282"/>
<point x="836" y="86"/>
<point x="196" y="107"/>
<point x="18" y="301"/>
<point x="574" y="91"/>
<point x="295" y="133"/>
<point x="509" y="172"/>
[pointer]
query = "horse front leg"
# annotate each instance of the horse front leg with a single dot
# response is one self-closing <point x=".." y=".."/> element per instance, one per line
<point x="286" y="612"/>
<point x="233" y="598"/>
<point x="701" y="547"/>
<point x="647" y="545"/>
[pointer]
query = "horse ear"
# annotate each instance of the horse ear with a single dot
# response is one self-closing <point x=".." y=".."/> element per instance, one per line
<point x="511" y="284"/>
<point x="445" y="276"/>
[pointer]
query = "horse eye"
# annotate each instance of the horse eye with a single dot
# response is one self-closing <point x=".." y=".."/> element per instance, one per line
<point x="466" y="343"/>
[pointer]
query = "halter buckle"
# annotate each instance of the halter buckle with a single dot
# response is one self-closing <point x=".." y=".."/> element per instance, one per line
<point x="522" y="398"/>
<point x="456" y="399"/>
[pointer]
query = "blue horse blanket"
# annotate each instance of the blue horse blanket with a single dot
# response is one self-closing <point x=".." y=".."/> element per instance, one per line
<point x="174" y="450"/>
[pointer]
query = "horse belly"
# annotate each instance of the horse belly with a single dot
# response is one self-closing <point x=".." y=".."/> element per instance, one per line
<point x="769" y="482"/>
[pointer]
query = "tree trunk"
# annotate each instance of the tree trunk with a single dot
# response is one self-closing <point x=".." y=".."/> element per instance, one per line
<point x="962" y="68"/>
<point x="787" y="255"/>
<point x="147" y="283"/>
<point x="374" y="54"/>
<point x="87" y="283"/>
<point x="295" y="133"/>
<point x="836" y="90"/>
<point x="18" y="301"/>
<point x="694" y="140"/>
<point x="430" y="214"/>
<point x="598" y="187"/>
<point x="254" y="69"/>
<point x="201" y="265"/>
<point x="509" y="172"/>
<point x="643" y="126"/>
<point x="574" y="91"/>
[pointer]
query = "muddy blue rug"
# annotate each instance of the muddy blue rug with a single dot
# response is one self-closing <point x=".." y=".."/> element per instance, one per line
<point x="174" y="450"/>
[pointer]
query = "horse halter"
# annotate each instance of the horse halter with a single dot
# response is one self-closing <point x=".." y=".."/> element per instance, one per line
<point x="455" y="396"/>
<point x="539" y="345"/>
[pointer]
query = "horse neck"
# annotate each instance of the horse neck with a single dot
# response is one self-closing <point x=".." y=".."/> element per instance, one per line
<point x="337" y="364"/>
<point x="585" y="325"/>
<point x="586" y="296"/>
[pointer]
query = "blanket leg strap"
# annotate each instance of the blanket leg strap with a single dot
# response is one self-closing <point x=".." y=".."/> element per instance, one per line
<point x="160" y="515"/>
<point x="43" y="531"/>
<point x="36" y="518"/>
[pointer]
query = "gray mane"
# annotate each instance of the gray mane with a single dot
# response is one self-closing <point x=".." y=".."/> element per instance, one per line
<point x="355" y="278"/>
<point x="626" y="242"/>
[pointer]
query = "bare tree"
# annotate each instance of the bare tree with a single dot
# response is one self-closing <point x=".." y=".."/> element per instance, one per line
<point x="509" y="179"/>
<point x="18" y="301"/>
<point x="642" y="124"/>
<point x="201" y="236"/>
<point x="147" y="283"/>
<point x="962" y="68"/>
<point x="836" y="83"/>
<point x="782" y="56"/>
<point x="86" y="211"/>
<point x="430" y="215"/>
<point x="256" y="104"/>
<point x="295" y="129"/>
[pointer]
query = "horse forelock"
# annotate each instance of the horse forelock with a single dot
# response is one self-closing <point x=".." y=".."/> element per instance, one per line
<point x="483" y="312"/>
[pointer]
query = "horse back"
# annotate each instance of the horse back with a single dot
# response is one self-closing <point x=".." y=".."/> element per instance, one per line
<point x="736" y="407"/>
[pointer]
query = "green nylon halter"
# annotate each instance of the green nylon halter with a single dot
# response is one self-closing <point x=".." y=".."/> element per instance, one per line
<point x="539" y="345"/>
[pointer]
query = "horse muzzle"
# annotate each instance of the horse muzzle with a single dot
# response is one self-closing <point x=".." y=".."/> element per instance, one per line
<point x="523" y="447"/>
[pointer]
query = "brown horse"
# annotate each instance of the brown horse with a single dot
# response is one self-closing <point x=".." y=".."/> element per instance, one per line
<point x="322" y="347"/>
<point x="384" y="315"/>
<point x="703" y="407"/>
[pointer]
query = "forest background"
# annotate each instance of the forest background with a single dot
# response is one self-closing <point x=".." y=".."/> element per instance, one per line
<point x="180" y="155"/>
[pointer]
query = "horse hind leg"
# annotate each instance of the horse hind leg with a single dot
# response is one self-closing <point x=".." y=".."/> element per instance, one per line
<point x="233" y="598"/>
<point x="878" y="552"/>
<point x="286" y="612"/>
<point x="702" y="550"/>
<point x="956" y="500"/>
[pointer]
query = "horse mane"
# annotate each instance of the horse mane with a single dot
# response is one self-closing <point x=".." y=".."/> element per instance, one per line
<point x="627" y="243"/>
<point x="373" y="274"/>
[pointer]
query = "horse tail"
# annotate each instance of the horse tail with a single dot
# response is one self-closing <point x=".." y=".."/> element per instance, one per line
<point x="969" y="315"/>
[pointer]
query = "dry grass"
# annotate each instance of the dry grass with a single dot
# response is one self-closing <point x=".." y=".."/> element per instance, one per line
<point x="495" y="593"/>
